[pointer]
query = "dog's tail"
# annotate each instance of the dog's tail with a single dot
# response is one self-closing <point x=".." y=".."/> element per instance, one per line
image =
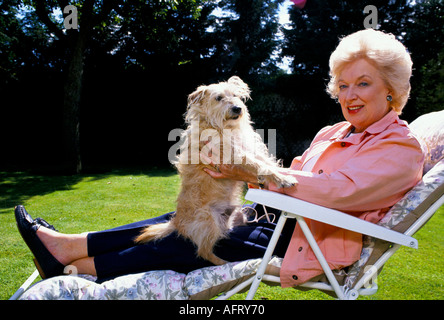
<point x="155" y="232"/>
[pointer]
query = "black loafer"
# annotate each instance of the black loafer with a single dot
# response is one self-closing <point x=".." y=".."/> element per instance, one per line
<point x="46" y="264"/>
<point x="45" y="224"/>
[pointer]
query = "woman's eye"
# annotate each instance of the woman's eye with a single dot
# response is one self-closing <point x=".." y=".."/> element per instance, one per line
<point x="342" y="86"/>
<point x="219" y="98"/>
<point x="363" y="84"/>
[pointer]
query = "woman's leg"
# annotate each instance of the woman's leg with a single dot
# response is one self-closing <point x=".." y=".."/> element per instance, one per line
<point x="170" y="253"/>
<point x="75" y="249"/>
<point x="112" y="253"/>
<point x="120" y="238"/>
<point x="179" y="254"/>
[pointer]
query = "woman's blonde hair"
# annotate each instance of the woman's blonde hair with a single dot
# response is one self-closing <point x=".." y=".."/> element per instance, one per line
<point x="388" y="55"/>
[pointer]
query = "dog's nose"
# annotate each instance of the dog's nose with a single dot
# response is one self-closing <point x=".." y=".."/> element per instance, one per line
<point x="236" y="110"/>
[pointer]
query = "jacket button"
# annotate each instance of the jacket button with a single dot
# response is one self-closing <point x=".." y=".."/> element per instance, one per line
<point x="320" y="171"/>
<point x="295" y="277"/>
<point x="300" y="249"/>
<point x="343" y="144"/>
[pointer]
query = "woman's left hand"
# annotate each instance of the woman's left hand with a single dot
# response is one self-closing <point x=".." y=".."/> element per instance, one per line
<point x="229" y="171"/>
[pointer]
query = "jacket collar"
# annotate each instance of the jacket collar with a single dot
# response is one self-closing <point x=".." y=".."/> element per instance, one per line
<point x="383" y="124"/>
<point x="376" y="128"/>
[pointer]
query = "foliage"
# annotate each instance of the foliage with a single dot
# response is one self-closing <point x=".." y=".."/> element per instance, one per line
<point x="425" y="38"/>
<point x="315" y="31"/>
<point x="431" y="90"/>
<point x="150" y="33"/>
<point x="96" y="90"/>
<point x="244" y="37"/>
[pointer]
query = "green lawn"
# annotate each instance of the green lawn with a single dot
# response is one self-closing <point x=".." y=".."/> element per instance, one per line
<point x="99" y="201"/>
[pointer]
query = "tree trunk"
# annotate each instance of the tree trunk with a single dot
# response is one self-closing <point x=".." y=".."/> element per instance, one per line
<point x="71" y="108"/>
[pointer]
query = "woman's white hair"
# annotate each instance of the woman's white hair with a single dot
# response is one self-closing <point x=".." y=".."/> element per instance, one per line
<point x="388" y="55"/>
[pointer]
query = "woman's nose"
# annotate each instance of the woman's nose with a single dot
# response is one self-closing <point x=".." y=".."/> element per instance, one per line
<point x="351" y="94"/>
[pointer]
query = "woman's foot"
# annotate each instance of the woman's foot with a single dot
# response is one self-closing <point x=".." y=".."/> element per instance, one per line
<point x="51" y="240"/>
<point x="54" y="250"/>
<point x="46" y="263"/>
<point x="66" y="248"/>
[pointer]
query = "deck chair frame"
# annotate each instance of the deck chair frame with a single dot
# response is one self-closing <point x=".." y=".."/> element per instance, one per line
<point x="293" y="208"/>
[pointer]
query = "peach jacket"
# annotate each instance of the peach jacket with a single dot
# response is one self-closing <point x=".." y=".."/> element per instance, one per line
<point x="362" y="175"/>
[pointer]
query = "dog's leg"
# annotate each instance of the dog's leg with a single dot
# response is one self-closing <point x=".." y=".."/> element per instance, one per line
<point x="269" y="170"/>
<point x="277" y="177"/>
<point x="210" y="256"/>
<point x="237" y="218"/>
<point x="208" y="227"/>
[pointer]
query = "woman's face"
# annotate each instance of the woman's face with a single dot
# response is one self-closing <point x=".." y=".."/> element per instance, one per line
<point x="362" y="94"/>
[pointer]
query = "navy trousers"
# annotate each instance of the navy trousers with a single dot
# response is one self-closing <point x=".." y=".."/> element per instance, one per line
<point x="115" y="252"/>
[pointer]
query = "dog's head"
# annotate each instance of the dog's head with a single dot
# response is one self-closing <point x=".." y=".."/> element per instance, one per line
<point x="220" y="105"/>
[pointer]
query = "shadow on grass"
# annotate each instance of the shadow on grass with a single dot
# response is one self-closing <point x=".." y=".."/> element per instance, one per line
<point x="17" y="187"/>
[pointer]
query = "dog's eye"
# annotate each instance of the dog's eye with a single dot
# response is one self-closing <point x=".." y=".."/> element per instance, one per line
<point x="219" y="98"/>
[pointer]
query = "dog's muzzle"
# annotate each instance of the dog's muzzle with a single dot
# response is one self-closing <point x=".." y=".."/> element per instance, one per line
<point x="235" y="112"/>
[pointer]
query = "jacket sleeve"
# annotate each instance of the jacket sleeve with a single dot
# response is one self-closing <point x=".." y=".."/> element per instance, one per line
<point x="374" y="178"/>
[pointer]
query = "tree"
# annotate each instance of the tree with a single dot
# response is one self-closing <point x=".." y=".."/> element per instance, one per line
<point x="315" y="31"/>
<point x="430" y="90"/>
<point x="10" y="36"/>
<point x="244" y="37"/>
<point x="24" y="43"/>
<point x="141" y="33"/>
<point x="153" y="32"/>
<point x="424" y="38"/>
<point x="74" y="43"/>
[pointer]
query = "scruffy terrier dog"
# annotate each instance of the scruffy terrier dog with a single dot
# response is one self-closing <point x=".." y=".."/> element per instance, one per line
<point x="219" y="126"/>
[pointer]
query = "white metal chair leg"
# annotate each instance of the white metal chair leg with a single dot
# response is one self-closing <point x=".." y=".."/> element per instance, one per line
<point x="25" y="285"/>
<point x="318" y="253"/>
<point x="267" y="256"/>
<point x="235" y="290"/>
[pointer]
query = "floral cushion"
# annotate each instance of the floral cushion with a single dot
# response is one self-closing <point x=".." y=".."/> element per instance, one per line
<point x="430" y="128"/>
<point x="200" y="284"/>
<point x="155" y="285"/>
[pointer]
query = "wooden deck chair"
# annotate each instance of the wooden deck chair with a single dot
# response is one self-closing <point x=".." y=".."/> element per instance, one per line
<point x="380" y="240"/>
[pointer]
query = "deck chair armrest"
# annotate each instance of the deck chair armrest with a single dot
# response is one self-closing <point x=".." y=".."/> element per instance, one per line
<point x="294" y="206"/>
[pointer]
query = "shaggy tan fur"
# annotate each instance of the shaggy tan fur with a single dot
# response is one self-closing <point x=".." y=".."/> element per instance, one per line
<point x="218" y="126"/>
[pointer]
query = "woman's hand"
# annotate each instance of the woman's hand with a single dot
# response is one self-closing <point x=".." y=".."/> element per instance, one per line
<point x="228" y="171"/>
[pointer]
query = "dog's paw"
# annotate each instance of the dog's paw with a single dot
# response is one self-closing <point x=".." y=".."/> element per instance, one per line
<point x="284" y="181"/>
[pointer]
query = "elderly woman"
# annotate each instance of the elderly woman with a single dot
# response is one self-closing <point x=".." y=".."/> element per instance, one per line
<point x="361" y="166"/>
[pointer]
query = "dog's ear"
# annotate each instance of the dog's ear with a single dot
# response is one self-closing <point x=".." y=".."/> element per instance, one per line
<point x="195" y="99"/>
<point x="242" y="88"/>
<point x="197" y="95"/>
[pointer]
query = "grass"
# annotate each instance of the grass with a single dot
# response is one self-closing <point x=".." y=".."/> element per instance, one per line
<point x="99" y="201"/>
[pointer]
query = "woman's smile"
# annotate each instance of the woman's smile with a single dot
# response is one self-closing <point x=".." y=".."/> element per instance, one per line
<point x="354" y="109"/>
